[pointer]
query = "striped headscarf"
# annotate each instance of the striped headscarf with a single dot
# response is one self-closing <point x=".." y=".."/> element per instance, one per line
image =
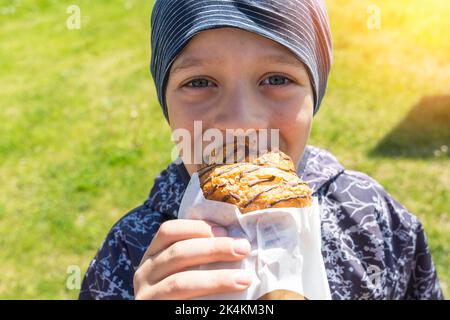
<point x="300" y="25"/>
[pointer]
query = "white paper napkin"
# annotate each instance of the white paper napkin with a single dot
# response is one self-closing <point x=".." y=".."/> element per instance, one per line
<point x="286" y="245"/>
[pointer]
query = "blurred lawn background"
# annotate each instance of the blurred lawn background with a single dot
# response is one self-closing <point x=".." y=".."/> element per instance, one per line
<point x="82" y="136"/>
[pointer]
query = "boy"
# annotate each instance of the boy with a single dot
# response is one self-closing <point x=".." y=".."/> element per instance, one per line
<point x="255" y="64"/>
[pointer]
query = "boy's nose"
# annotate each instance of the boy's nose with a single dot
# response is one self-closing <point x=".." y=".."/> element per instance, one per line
<point x="240" y="109"/>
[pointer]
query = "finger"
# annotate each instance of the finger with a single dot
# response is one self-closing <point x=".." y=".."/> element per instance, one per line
<point x="181" y="229"/>
<point x="197" y="283"/>
<point x="193" y="252"/>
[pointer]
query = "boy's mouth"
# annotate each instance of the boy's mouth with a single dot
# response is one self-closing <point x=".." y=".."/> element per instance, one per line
<point x="215" y="146"/>
<point x="237" y="151"/>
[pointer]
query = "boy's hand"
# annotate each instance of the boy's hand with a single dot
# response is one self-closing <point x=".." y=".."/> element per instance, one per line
<point x="180" y="244"/>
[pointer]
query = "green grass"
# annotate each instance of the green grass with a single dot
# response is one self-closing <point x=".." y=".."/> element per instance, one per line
<point x="82" y="135"/>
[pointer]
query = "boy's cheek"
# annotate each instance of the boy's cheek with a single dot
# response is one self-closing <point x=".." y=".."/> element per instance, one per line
<point x="296" y="135"/>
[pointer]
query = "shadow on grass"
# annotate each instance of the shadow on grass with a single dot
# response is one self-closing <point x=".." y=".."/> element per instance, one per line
<point x="423" y="133"/>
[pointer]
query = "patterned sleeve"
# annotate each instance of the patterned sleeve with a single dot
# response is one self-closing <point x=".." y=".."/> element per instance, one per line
<point x="110" y="274"/>
<point x="423" y="283"/>
<point x="374" y="248"/>
<point x="410" y="247"/>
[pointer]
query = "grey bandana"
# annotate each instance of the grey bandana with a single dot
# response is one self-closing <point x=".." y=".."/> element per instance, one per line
<point x="300" y="25"/>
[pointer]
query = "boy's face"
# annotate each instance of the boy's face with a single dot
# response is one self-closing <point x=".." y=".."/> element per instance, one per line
<point x="230" y="78"/>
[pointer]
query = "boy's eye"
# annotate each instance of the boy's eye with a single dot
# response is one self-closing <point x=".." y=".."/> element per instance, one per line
<point x="199" y="83"/>
<point x="276" y="80"/>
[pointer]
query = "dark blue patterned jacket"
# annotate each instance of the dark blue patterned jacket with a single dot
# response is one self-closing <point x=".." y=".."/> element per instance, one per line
<point x="373" y="248"/>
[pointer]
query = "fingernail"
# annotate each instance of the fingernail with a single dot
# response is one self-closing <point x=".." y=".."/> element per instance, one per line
<point x="241" y="247"/>
<point x="242" y="278"/>
<point x="219" y="231"/>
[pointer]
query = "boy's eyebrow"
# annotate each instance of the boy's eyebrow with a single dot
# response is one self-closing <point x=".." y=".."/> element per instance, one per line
<point x="187" y="63"/>
<point x="191" y="62"/>
<point x="282" y="59"/>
